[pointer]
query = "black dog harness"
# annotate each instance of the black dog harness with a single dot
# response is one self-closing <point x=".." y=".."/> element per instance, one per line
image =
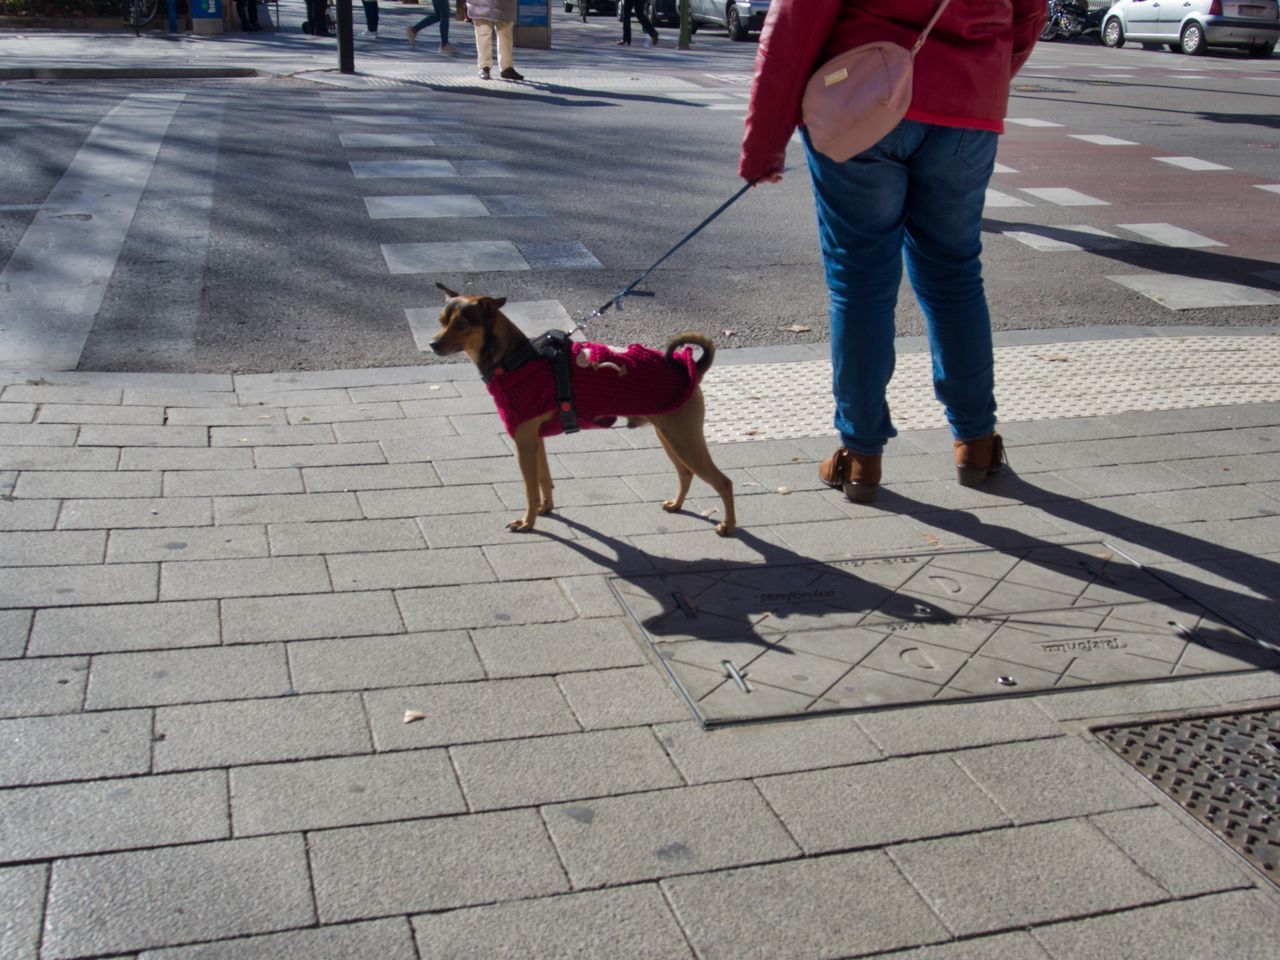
<point x="555" y="346"/>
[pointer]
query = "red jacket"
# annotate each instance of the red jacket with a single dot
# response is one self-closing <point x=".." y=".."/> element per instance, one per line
<point x="607" y="384"/>
<point x="962" y="73"/>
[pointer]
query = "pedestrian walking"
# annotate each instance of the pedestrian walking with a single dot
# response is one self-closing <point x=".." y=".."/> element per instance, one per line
<point x="630" y="7"/>
<point x="440" y="14"/>
<point x="247" y="11"/>
<point x="370" y="19"/>
<point x="317" y="23"/>
<point x="918" y="192"/>
<point x="495" y="17"/>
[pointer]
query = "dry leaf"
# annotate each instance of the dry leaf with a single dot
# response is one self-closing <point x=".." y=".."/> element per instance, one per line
<point x="1051" y="357"/>
<point x="304" y="420"/>
<point x="796" y="328"/>
<point x="731" y="333"/>
<point x="434" y="386"/>
<point x="711" y="512"/>
<point x="784" y="490"/>
<point x="411" y="716"/>
<point x="751" y="483"/>
<point x="750" y="433"/>
<point x="930" y="539"/>
<point x="266" y="416"/>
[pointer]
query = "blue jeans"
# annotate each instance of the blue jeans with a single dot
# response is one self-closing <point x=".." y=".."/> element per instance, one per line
<point x="919" y="191"/>
<point x="440" y="12"/>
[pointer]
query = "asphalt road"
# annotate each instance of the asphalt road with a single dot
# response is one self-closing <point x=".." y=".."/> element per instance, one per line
<point x="252" y="247"/>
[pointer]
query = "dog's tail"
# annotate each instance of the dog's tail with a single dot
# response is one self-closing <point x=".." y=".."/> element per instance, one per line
<point x="703" y="363"/>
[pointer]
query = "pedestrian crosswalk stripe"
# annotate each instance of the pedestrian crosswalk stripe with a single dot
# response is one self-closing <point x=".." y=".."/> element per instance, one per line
<point x="1273" y="187"/>
<point x="1191" y="163"/>
<point x="1194" y="293"/>
<point x="484" y="256"/>
<point x="377" y="169"/>
<point x="1055" y="239"/>
<point x="404" y="208"/>
<point x="381" y="119"/>
<point x="1031" y="122"/>
<point x="1170" y="236"/>
<point x="1102" y="140"/>
<point x="997" y="199"/>
<point x="390" y="140"/>
<point x="1001" y="168"/>
<point x="1065" y="197"/>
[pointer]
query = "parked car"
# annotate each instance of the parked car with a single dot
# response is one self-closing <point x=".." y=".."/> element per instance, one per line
<point x="591" y="6"/>
<point x="740" y="18"/>
<point x="1192" y="26"/>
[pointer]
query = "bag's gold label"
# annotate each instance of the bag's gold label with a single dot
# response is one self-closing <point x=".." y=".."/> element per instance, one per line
<point x="836" y="76"/>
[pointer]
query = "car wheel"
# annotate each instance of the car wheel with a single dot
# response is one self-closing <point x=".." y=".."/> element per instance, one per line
<point x="1175" y="48"/>
<point x="568" y="7"/>
<point x="1113" y="33"/>
<point x="736" y="29"/>
<point x="1263" y="51"/>
<point x="1193" y="39"/>
<point x="1047" y="32"/>
<point x="651" y="12"/>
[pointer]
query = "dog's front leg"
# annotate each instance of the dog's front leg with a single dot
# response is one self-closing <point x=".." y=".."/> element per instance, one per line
<point x="529" y="451"/>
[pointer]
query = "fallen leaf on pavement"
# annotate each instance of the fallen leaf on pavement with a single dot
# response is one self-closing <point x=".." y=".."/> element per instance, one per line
<point x="796" y="328"/>
<point x="411" y="715"/>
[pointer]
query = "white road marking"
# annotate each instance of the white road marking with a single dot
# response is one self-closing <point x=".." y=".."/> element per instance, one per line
<point x="405" y="208"/>
<point x="387" y="139"/>
<point x="378" y="169"/>
<point x="997" y="199"/>
<point x="1191" y="163"/>
<point x="1031" y="122"/>
<point x="1273" y="187"/>
<point x="1170" y="236"/>
<point x="1192" y="293"/>
<point x="1001" y="168"/>
<point x="468" y="256"/>
<point x="1065" y="197"/>
<point x="52" y="287"/>
<point x="1102" y="140"/>
<point x="1087" y="237"/>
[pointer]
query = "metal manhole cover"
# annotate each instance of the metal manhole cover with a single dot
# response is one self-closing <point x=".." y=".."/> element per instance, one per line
<point x="1224" y="771"/>
<point x="764" y="642"/>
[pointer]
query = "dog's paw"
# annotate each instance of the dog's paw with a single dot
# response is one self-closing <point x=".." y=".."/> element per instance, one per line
<point x="723" y="529"/>
<point x="672" y="506"/>
<point x="520" y="525"/>
<point x="545" y="508"/>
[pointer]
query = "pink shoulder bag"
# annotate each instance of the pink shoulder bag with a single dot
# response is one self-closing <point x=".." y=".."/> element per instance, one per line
<point x="858" y="96"/>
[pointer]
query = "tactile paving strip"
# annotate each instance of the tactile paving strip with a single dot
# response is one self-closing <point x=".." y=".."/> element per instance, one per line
<point x="1224" y="771"/>
<point x="767" y="642"/>
<point x="1042" y="382"/>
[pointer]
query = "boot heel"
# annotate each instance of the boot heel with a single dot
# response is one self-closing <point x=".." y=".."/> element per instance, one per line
<point x="969" y="474"/>
<point x="861" y="492"/>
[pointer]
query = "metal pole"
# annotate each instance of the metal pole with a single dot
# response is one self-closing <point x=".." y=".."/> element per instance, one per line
<point x="173" y="16"/>
<point x="346" y="39"/>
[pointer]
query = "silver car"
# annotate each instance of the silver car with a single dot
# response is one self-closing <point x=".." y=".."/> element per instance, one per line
<point x="1193" y="26"/>
<point x="740" y="18"/>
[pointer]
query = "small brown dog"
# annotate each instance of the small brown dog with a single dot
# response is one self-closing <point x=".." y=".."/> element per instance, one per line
<point x="643" y="385"/>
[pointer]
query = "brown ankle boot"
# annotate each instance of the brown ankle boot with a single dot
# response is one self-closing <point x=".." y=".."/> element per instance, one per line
<point x="857" y="474"/>
<point x="978" y="459"/>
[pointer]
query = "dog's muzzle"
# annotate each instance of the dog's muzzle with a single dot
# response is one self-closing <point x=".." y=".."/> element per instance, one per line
<point x="437" y="348"/>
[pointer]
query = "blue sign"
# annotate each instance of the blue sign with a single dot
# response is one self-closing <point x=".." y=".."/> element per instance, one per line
<point x="533" y="13"/>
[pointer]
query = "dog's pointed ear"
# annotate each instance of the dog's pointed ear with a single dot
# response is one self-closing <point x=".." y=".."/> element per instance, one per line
<point x="447" y="292"/>
<point x="492" y="304"/>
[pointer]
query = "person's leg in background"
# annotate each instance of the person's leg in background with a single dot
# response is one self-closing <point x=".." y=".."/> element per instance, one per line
<point x="645" y="25"/>
<point x="370" y="18"/>
<point x="484" y="46"/>
<point x="506" y="51"/>
<point x="442" y="13"/>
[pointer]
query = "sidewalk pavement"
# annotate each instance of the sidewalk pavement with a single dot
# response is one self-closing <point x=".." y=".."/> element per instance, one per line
<point x="221" y="595"/>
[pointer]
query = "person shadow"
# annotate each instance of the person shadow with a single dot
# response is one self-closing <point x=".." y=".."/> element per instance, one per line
<point x="786" y="635"/>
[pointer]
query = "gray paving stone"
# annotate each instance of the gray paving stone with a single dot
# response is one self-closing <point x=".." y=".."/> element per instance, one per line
<point x="78" y="586"/>
<point x="318" y="394"/>
<point x="625" y="697"/>
<point x="61" y="458"/>
<point x="75" y="747"/>
<point x="250" y="577"/>
<point x="938" y="727"/>
<point x="1005" y="946"/>
<point x="313" y="794"/>
<point x="1067" y="777"/>
<point x="223" y="415"/>
<point x="390" y="939"/>
<point x="100" y="413"/>
<point x="105" y="435"/>
<point x="39" y="823"/>
<point x="1223" y="471"/>
<point x="38" y="434"/>
<point x="320" y="455"/>
<point x="1179" y="855"/>
<point x="1144" y="698"/>
<point x="592" y="596"/>
<point x="615" y="520"/>
<point x="187" y="676"/>
<point x="309" y="617"/>
<point x="345" y="412"/>
<point x="420" y="450"/>
<point x="874" y="804"/>
<point x="408" y="568"/>
<point x="60" y="393"/>
<point x="22" y="891"/>
<point x="281" y="435"/>
<point x="141" y="512"/>
<point x="375" y="430"/>
<point x="367" y="663"/>
<point x="224" y="483"/>
<point x="138" y="626"/>
<point x="1239" y="925"/>
<point x="836" y="906"/>
<point x="635" y="923"/>
<point x="571" y="492"/>
<point x="557" y="648"/>
<point x="991" y="881"/>
<point x="468" y="712"/>
<point x="286" y="508"/>
<point x="184" y="458"/>
<point x="373" y="477"/>
<point x="617" y="840"/>
<point x="1127" y="478"/>
<point x="483" y="605"/>
<point x="39" y="686"/>
<point x="45" y="548"/>
<point x="379" y="870"/>
<point x="584" y="556"/>
<point x="404" y="392"/>
<point x="29" y="514"/>
<point x="17" y="412"/>
<point x="187" y="543"/>
<point x="515" y="773"/>
<point x="344" y="536"/>
<point x="15" y="627"/>
<point x="850" y="539"/>
<point x="704" y="756"/>
<point x="128" y="901"/>
<point x="77" y="484"/>
<point x="496" y="470"/>
<point x="483" y="529"/>
<point x="670" y="551"/>
<point x="428" y="502"/>
<point x="178" y="397"/>
<point x="259" y="731"/>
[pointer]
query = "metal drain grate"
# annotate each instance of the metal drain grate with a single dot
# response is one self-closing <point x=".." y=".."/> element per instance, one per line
<point x="1224" y="771"/>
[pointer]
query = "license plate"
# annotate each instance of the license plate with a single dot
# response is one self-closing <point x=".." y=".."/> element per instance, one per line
<point x="1253" y="11"/>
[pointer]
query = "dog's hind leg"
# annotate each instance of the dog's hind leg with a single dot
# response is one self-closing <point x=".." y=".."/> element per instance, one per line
<point x="682" y="436"/>
<point x="683" y="474"/>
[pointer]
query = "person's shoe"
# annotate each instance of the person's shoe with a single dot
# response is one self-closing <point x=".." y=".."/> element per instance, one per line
<point x="448" y="49"/>
<point x="369" y="35"/>
<point x="511" y="74"/>
<point x="413" y="37"/>
<point x="857" y="474"/>
<point x="978" y="459"/>
<point x="484" y="73"/>
<point x="623" y="43"/>
<point x="653" y="39"/>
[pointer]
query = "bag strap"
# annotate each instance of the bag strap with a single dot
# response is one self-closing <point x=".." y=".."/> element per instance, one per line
<point x="928" y="27"/>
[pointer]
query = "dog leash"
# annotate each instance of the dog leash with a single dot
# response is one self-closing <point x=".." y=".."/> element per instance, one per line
<point x="616" y="300"/>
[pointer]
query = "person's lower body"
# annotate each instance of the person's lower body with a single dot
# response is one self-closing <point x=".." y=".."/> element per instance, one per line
<point x="439" y="14"/>
<point x="505" y="33"/>
<point x="316" y="18"/>
<point x="918" y="194"/>
<point x="370" y="18"/>
<point x="631" y="7"/>
<point x="247" y="11"/>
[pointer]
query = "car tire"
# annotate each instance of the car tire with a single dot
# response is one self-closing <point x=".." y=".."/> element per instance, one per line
<point x="1191" y="40"/>
<point x="1048" y="31"/>
<point x="568" y="7"/>
<point x="1263" y="51"/>
<point x="651" y="12"/>
<point x="1113" y="34"/>
<point x="737" y="29"/>
<point x="1175" y="47"/>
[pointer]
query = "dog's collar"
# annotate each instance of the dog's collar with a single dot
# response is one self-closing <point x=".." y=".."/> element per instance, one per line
<point x="514" y="360"/>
